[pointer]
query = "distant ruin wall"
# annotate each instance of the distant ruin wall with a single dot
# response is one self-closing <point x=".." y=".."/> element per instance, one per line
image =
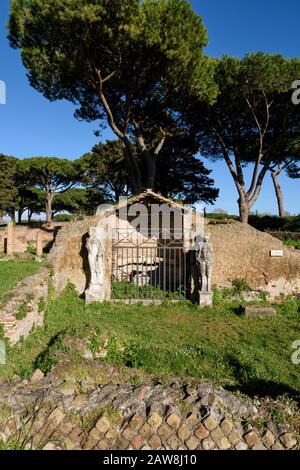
<point x="20" y="236"/>
<point x="240" y="251"/>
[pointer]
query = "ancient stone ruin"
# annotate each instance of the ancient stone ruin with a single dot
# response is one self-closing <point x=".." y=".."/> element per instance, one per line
<point x="149" y="249"/>
<point x="232" y="250"/>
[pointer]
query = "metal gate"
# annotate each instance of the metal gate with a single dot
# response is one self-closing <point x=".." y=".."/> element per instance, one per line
<point x="148" y="269"/>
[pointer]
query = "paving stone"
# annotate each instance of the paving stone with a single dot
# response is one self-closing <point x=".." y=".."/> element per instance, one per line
<point x="268" y="439"/>
<point x="201" y="432"/>
<point x="164" y="432"/>
<point x="66" y="427"/>
<point x="173" y="420"/>
<point x="213" y="400"/>
<point x="192" y="420"/>
<point x="277" y="446"/>
<point x="75" y="434"/>
<point x="136" y="421"/>
<point x="241" y="446"/>
<point x="155" y="420"/>
<point x="69" y="444"/>
<point x="37" y="376"/>
<point x="217" y="434"/>
<point x="192" y="443"/>
<point x="251" y="438"/>
<point x="210" y="423"/>
<point x="288" y="440"/>
<point x="90" y="443"/>
<point x="50" y="446"/>
<point x="154" y="442"/>
<point x="56" y="416"/>
<point x="208" y="444"/>
<point x="234" y="437"/>
<point x="111" y="434"/>
<point x="128" y="433"/>
<point x="137" y="442"/>
<point x="259" y="446"/>
<point x="174" y="442"/>
<point x="184" y="432"/>
<point x="121" y="443"/>
<point x="79" y="401"/>
<point x="227" y="426"/>
<point x="140" y="392"/>
<point x="95" y="434"/>
<point x="103" y="424"/>
<point x="102" y="444"/>
<point x="146" y="431"/>
<point x="224" y="444"/>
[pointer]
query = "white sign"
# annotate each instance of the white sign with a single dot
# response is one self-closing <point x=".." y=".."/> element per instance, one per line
<point x="276" y="253"/>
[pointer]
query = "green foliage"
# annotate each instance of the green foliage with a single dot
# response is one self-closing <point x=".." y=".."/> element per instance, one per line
<point x="214" y="216"/>
<point x="31" y="248"/>
<point x="272" y="223"/>
<point x="240" y="285"/>
<point x="22" y="311"/>
<point x="293" y="243"/>
<point x="42" y="304"/>
<point x="8" y="192"/>
<point x="51" y="175"/>
<point x="252" y="121"/>
<point x="105" y="169"/>
<point x="130" y="290"/>
<point x="169" y="339"/>
<point x="77" y="201"/>
<point x="139" y="59"/>
<point x="180" y="173"/>
<point x="12" y="445"/>
<point x="49" y="357"/>
<point x="63" y="217"/>
<point x="13" y="271"/>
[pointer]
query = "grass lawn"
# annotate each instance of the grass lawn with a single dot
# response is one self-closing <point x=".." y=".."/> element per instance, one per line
<point x="12" y="271"/>
<point x="251" y="355"/>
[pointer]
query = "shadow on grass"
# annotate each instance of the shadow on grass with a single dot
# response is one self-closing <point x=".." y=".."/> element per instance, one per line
<point x="263" y="388"/>
<point x="245" y="374"/>
<point x="239" y="311"/>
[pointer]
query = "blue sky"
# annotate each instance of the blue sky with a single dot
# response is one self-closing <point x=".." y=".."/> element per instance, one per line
<point x="32" y="126"/>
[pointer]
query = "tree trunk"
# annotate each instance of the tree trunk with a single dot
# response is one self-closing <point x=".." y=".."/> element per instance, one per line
<point x="49" y="208"/>
<point x="134" y="172"/>
<point x="279" y="195"/>
<point x="29" y="215"/>
<point x="151" y="170"/>
<point x="244" y="210"/>
<point x="20" y="213"/>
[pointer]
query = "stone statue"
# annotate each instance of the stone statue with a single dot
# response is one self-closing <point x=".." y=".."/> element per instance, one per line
<point x="204" y="258"/>
<point x="95" y="247"/>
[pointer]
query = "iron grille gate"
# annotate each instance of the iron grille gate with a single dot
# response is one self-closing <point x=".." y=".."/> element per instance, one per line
<point x="148" y="269"/>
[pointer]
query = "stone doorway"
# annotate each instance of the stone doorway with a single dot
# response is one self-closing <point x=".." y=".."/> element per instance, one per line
<point x="149" y="269"/>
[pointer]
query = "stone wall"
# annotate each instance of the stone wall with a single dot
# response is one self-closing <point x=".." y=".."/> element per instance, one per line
<point x="25" y="309"/>
<point x="21" y="235"/>
<point x="240" y="251"/>
<point x="69" y="256"/>
<point x="75" y="415"/>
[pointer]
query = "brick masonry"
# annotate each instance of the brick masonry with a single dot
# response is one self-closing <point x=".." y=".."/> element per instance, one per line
<point x="117" y="416"/>
<point x="28" y="298"/>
